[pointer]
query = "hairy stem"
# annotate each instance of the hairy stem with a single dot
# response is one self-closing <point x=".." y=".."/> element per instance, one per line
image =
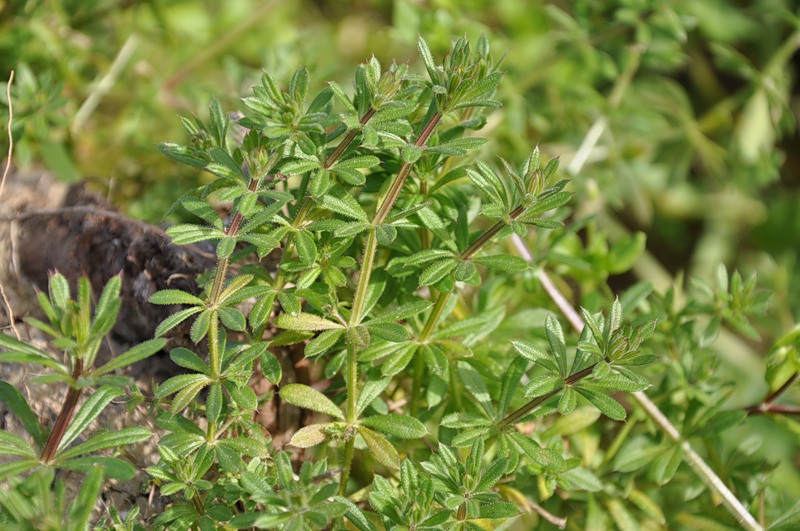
<point x="64" y="416"/>
<point x="350" y="414"/>
<point x="346" y="465"/>
<point x="360" y="297"/>
<point x="490" y="233"/>
<point x="397" y="185"/>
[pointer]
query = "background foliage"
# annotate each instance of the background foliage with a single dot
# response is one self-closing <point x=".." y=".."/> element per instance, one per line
<point x="681" y="117"/>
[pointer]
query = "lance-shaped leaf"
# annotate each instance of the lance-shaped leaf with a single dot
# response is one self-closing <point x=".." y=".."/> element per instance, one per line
<point x="306" y="321"/>
<point x="607" y="405"/>
<point x="11" y="444"/>
<point x="309" y="398"/>
<point x="437" y="271"/>
<point x="175" y="319"/>
<point x="88" y="412"/>
<point x="108" y="439"/>
<point x="503" y="262"/>
<point x="476" y="386"/>
<point x="19" y="352"/>
<point x="342" y="203"/>
<point x="311" y="435"/>
<point x="17" y="404"/>
<point x="137" y="353"/>
<point x="380" y="448"/>
<point x="81" y="509"/>
<point x="400" y="426"/>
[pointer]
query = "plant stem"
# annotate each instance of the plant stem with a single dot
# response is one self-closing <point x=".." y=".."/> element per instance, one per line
<point x="490" y="233"/>
<point x="346" y="465"/>
<point x="64" y="416"/>
<point x="360" y="297"/>
<point x="350" y="414"/>
<point x="767" y="407"/>
<point x="397" y="185"/>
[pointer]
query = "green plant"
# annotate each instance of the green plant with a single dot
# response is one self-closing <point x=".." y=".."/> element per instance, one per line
<point x="396" y="274"/>
<point x="78" y="334"/>
<point x="400" y="138"/>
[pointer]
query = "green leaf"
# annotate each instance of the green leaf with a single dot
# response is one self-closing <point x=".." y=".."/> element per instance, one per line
<point x="311" y="435"/>
<point x="244" y="396"/>
<point x="214" y="402"/>
<point x="355" y="515"/>
<point x="232" y="318"/>
<point x="344" y="204"/>
<point x="201" y="325"/>
<point x="81" y="509"/>
<point x="788" y="520"/>
<point x="427" y="59"/>
<point x="306" y="321"/>
<point x="323" y="342"/>
<point x="138" y="353"/>
<point x="365" y="161"/>
<point x="113" y="467"/>
<point x="202" y="210"/>
<point x="476" y="386"/>
<point x="17" y="404"/>
<point x="175" y="319"/>
<point x="187" y="359"/>
<point x="299" y="166"/>
<point x="93" y="406"/>
<point x="58" y="288"/>
<point x="542" y="385"/>
<point x="372" y="389"/>
<point x="503" y="262"/>
<point x="607" y="405"/>
<point x="529" y="351"/>
<point x="108" y="439"/>
<point x="11" y="444"/>
<point x="186" y="233"/>
<point x="399" y="359"/>
<point x="411" y="154"/>
<point x="568" y="401"/>
<point x="437" y="271"/>
<point x="181" y="381"/>
<point x="497" y="510"/>
<point x="174" y="296"/>
<point x="381" y="449"/>
<point x="625" y="252"/>
<point x="14" y="468"/>
<point x="271" y="368"/>
<point x="306" y="247"/>
<point x="17" y="351"/>
<point x="388" y="331"/>
<point x="225" y="247"/>
<point x="309" y="398"/>
<point x="555" y="336"/>
<point x="435" y="359"/>
<point x="107" y="308"/>
<point x="400" y="426"/>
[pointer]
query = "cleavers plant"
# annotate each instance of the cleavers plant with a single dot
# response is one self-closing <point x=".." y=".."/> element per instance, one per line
<point x="365" y="197"/>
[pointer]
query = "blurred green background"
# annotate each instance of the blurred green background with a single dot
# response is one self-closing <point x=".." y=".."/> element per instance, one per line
<point x="676" y="120"/>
